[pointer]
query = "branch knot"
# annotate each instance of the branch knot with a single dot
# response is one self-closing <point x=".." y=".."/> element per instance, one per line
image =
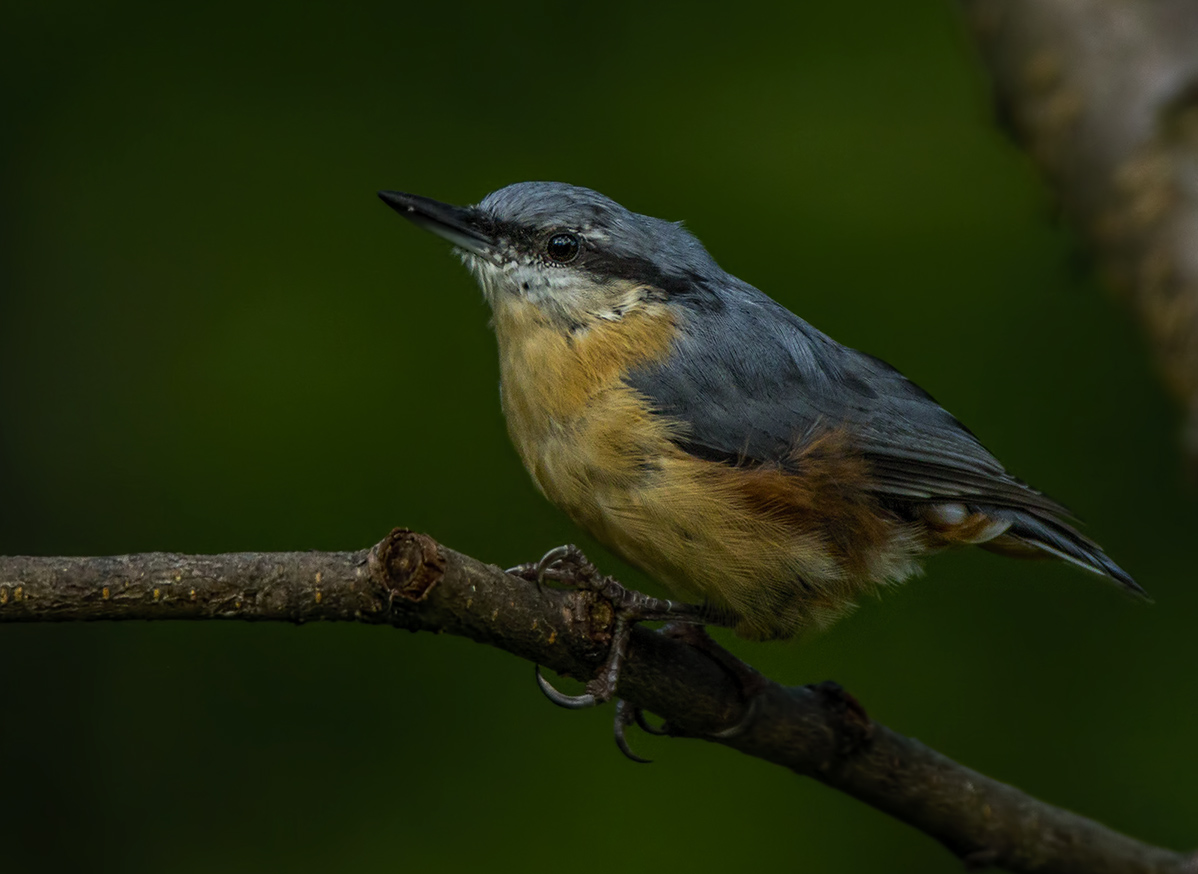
<point x="407" y="564"/>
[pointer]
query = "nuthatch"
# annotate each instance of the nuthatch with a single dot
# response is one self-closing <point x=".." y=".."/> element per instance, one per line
<point x="710" y="436"/>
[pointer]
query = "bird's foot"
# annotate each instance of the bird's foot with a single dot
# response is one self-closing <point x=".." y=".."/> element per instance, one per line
<point x="562" y="564"/>
<point x="602" y="688"/>
<point x="567" y="564"/>
<point x="626" y="715"/>
<point x="628" y="608"/>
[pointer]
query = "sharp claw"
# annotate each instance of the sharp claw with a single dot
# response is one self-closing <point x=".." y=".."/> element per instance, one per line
<point x="562" y="563"/>
<point x="561" y="699"/>
<point x="622" y="743"/>
<point x="626" y="714"/>
<point x="568" y="565"/>
<point x="648" y="727"/>
<point x="554" y="556"/>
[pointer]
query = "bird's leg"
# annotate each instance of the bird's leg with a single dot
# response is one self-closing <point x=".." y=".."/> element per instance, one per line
<point x="567" y="564"/>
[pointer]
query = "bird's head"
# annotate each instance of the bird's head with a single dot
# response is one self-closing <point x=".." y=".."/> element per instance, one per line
<point x="576" y="255"/>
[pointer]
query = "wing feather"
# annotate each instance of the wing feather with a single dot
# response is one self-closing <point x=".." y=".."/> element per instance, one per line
<point x="751" y="380"/>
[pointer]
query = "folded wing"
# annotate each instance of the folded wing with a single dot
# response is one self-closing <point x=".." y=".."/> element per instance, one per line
<point x="751" y="381"/>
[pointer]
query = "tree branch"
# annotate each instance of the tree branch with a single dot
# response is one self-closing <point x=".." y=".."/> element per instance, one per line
<point x="410" y="581"/>
<point x="1104" y="96"/>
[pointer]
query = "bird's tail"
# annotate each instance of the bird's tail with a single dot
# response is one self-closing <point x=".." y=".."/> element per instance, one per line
<point x="1034" y="536"/>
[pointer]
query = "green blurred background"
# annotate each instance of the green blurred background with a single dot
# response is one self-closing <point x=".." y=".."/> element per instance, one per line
<point x="215" y="338"/>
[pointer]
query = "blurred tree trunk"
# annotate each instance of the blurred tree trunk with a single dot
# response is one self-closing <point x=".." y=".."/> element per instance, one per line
<point x="1104" y="95"/>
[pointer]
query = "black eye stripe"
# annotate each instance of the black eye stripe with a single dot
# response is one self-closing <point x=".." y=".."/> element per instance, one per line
<point x="563" y="248"/>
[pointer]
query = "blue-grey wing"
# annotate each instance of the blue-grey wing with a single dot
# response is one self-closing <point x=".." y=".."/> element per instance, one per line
<point x="749" y="381"/>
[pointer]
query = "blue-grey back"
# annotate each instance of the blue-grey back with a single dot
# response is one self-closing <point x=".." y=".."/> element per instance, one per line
<point x="750" y="380"/>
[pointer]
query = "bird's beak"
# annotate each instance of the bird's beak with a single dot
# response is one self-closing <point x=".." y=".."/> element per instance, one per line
<point x="461" y="225"/>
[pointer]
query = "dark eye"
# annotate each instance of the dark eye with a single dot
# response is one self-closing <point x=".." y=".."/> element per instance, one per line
<point x="562" y="248"/>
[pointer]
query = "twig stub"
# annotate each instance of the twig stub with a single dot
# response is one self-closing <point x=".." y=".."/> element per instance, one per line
<point x="407" y="564"/>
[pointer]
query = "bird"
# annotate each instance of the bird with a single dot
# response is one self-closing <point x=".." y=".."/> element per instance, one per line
<point x="711" y="437"/>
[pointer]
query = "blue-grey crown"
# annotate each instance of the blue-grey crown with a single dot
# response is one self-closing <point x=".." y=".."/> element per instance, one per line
<point x="668" y="247"/>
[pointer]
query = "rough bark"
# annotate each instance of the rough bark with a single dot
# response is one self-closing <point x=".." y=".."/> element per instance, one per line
<point x="410" y="581"/>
